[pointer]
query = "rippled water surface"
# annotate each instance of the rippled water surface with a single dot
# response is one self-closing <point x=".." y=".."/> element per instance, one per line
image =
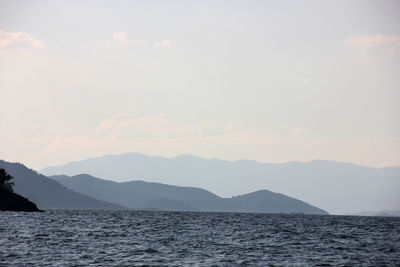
<point x="185" y="238"/>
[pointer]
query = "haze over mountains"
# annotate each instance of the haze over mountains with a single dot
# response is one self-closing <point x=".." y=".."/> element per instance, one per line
<point x="144" y="195"/>
<point x="332" y="186"/>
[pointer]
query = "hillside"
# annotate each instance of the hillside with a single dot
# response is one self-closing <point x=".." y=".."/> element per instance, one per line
<point x="144" y="195"/>
<point x="47" y="193"/>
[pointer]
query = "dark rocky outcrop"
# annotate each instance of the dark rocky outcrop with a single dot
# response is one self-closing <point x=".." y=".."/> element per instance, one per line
<point x="10" y="201"/>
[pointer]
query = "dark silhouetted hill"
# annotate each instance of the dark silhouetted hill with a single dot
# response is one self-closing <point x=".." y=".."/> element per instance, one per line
<point x="144" y="195"/>
<point x="336" y="187"/>
<point x="10" y="201"/>
<point x="47" y="193"/>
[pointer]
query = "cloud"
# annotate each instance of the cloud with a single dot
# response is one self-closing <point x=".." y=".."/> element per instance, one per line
<point x="162" y="134"/>
<point x="298" y="130"/>
<point x="367" y="41"/>
<point x="122" y="39"/>
<point x="125" y="127"/>
<point x="9" y="40"/>
<point x="303" y="80"/>
<point x="156" y="134"/>
<point x="164" y="43"/>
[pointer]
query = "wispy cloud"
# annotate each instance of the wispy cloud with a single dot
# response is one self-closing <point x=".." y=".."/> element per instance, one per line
<point x="10" y="40"/>
<point x="125" y="127"/>
<point x="366" y="41"/>
<point x="154" y="134"/>
<point x="122" y="39"/>
<point x="303" y="80"/>
<point x="164" y="43"/>
<point x="162" y="134"/>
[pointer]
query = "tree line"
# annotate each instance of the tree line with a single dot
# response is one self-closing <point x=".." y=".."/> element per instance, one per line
<point x="5" y="182"/>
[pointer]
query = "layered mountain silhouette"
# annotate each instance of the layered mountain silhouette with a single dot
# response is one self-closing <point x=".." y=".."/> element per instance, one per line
<point x="87" y="192"/>
<point x="144" y="195"/>
<point x="49" y="194"/>
<point x="337" y="187"/>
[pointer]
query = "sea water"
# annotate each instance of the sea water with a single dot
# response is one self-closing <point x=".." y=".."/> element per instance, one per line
<point x="83" y="238"/>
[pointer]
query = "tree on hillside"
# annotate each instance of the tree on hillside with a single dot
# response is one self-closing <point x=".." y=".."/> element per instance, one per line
<point x="5" y="180"/>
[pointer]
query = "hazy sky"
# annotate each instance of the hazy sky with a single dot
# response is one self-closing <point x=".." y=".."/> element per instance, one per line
<point x="272" y="81"/>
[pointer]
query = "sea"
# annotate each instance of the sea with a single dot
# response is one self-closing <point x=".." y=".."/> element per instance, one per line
<point x="160" y="238"/>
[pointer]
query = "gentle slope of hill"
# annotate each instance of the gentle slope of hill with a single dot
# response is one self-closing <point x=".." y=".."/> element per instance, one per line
<point x="144" y="195"/>
<point x="47" y="193"/>
<point x="337" y="187"/>
<point x="132" y="194"/>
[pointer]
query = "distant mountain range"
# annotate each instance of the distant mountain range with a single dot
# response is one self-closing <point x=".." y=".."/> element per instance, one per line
<point x="87" y="192"/>
<point x="144" y="195"/>
<point x="49" y="194"/>
<point x="336" y="187"/>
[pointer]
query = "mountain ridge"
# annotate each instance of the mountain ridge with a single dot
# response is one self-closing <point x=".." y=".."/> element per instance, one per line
<point x="149" y="195"/>
<point x="47" y="169"/>
<point x="316" y="182"/>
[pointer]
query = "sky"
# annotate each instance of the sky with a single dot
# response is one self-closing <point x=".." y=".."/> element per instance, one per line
<point x="271" y="81"/>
